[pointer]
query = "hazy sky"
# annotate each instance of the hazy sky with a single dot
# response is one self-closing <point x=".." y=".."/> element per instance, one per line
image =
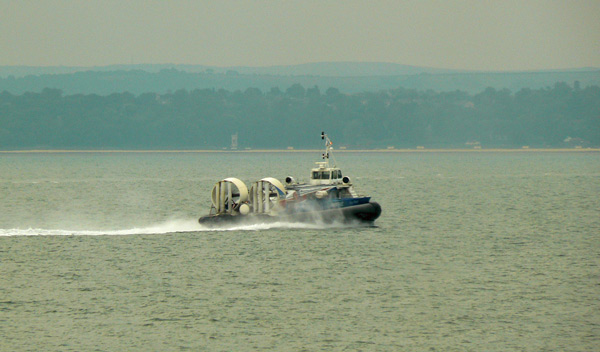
<point x="487" y="35"/>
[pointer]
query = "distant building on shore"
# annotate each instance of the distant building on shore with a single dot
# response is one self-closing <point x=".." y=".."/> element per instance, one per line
<point x="234" y="141"/>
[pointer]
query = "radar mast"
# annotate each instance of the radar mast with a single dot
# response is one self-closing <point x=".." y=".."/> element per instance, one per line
<point x="328" y="149"/>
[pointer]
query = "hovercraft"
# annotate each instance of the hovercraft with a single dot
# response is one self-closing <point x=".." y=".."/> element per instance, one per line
<point x="329" y="197"/>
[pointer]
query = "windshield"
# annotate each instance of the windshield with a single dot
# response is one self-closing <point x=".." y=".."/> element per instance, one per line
<point x="325" y="175"/>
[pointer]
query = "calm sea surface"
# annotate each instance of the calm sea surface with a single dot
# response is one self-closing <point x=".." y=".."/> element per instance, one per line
<point x="473" y="252"/>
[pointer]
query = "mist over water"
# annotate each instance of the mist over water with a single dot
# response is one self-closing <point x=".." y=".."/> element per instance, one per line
<point x="490" y="251"/>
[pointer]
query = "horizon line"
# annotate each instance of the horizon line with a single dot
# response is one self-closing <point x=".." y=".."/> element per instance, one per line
<point x="570" y="68"/>
<point x="388" y="150"/>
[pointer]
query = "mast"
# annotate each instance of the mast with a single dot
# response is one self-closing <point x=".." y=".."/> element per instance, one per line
<point x="328" y="149"/>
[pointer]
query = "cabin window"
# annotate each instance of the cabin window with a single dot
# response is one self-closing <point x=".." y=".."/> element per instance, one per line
<point x="325" y="175"/>
<point x="339" y="174"/>
<point x="316" y="175"/>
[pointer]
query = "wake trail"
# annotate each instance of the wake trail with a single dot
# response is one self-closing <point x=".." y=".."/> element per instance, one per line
<point x="167" y="227"/>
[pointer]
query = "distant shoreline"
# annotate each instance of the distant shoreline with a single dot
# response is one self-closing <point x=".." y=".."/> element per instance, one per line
<point x="423" y="150"/>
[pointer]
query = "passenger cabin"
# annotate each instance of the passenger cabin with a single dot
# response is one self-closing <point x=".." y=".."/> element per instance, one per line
<point x="324" y="175"/>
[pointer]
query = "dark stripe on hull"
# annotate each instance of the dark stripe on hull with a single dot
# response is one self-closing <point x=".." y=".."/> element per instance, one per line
<point x="362" y="213"/>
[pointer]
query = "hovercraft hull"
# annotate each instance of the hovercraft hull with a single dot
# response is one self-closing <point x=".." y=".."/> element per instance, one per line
<point x="365" y="213"/>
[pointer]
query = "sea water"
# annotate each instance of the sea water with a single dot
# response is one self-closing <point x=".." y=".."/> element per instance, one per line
<point x="473" y="252"/>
